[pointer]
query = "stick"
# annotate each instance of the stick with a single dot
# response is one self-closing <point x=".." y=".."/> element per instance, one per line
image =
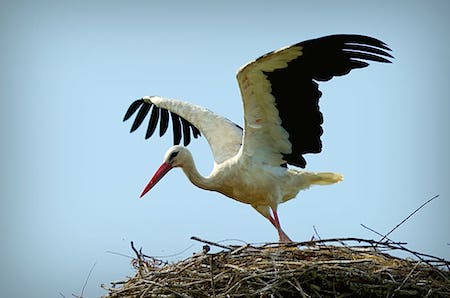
<point x="211" y="264"/>
<point x="87" y="279"/>
<point x="211" y="243"/>
<point x="172" y="255"/>
<point x="317" y="233"/>
<point x="138" y="255"/>
<point x="323" y="241"/>
<point x="84" y="285"/>
<point x="139" y="258"/>
<point x="406" y="278"/>
<point x="372" y="230"/>
<point x="118" y="254"/>
<point x="420" y="207"/>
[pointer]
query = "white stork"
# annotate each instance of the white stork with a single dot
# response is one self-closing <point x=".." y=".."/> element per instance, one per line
<point x="282" y="122"/>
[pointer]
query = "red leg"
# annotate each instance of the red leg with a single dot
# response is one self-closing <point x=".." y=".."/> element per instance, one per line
<point x="276" y="222"/>
<point x="265" y="211"/>
<point x="272" y="221"/>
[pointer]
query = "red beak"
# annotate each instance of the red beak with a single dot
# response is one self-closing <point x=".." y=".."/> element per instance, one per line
<point x="163" y="169"/>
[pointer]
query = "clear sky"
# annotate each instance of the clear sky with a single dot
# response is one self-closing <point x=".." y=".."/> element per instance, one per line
<point x="72" y="173"/>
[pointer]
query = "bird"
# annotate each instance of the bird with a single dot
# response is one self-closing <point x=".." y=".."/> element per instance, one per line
<point x="262" y="163"/>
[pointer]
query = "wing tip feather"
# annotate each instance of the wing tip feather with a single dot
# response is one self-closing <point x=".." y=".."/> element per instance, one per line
<point x="134" y="106"/>
<point x="182" y="128"/>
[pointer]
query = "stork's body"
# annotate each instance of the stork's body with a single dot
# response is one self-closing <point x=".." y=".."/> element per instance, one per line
<point x="282" y="122"/>
<point x="251" y="182"/>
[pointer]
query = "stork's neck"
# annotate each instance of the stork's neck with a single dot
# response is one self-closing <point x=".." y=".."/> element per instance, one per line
<point x="194" y="176"/>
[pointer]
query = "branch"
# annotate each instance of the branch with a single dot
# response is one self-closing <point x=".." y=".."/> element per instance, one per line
<point x="212" y="243"/>
<point x="420" y="207"/>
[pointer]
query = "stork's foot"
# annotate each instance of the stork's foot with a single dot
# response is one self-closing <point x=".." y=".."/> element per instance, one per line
<point x="283" y="237"/>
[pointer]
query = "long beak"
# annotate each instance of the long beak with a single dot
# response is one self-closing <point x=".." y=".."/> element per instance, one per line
<point x="163" y="169"/>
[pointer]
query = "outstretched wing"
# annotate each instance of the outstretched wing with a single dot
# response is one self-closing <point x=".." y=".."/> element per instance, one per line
<point x="223" y="136"/>
<point x="281" y="96"/>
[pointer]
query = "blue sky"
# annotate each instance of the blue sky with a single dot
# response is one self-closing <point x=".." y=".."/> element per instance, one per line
<point x="72" y="172"/>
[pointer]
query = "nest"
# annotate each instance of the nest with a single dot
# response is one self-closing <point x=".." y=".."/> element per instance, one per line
<point x="321" y="268"/>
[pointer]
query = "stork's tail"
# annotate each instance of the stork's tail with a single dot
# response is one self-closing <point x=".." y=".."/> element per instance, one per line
<point x="323" y="178"/>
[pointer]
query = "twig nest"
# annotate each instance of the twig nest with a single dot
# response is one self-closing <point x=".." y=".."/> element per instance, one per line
<point x="322" y="268"/>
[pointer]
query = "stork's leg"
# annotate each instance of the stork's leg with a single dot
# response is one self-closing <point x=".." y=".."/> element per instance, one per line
<point x="276" y="222"/>
<point x="265" y="211"/>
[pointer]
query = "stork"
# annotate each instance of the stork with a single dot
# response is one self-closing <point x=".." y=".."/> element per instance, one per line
<point x="282" y="122"/>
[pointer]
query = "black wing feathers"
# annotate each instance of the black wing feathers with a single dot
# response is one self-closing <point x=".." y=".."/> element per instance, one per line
<point x="176" y="128"/>
<point x="140" y="117"/>
<point x="337" y="55"/>
<point x="297" y="94"/>
<point x="195" y="131"/>
<point x="181" y="127"/>
<point x="153" y="122"/>
<point x="186" y="132"/>
<point x="164" y="122"/>
<point x="132" y="109"/>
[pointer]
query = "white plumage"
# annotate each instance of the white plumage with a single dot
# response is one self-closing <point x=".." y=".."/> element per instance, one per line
<point x="282" y="122"/>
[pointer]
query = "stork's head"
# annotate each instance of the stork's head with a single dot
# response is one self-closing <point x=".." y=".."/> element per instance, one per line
<point x="174" y="157"/>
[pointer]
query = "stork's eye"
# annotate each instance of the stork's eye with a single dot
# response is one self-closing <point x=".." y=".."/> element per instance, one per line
<point x="173" y="155"/>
